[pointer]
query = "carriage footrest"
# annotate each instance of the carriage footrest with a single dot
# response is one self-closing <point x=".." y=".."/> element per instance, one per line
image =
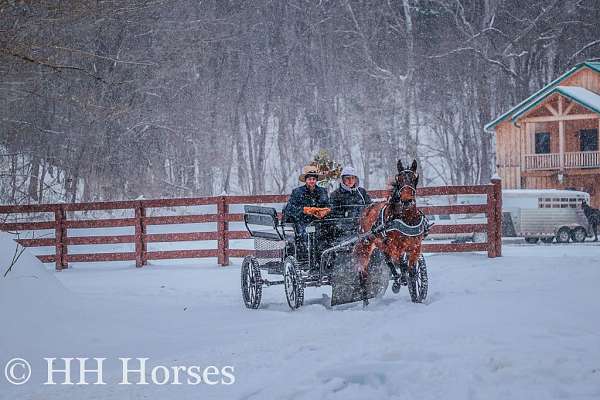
<point x="267" y="282"/>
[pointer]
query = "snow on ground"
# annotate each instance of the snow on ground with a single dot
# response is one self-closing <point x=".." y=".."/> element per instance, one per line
<point x="524" y="326"/>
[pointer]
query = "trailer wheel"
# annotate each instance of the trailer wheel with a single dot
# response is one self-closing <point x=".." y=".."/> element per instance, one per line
<point x="548" y="239"/>
<point x="578" y="234"/>
<point x="563" y="235"/>
<point x="532" y="240"/>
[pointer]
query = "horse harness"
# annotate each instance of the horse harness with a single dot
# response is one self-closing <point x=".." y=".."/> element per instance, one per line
<point x="383" y="227"/>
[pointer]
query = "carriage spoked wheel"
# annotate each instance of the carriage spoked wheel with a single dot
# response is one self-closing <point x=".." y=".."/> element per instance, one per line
<point x="378" y="278"/>
<point x="251" y="282"/>
<point x="293" y="283"/>
<point x="418" y="281"/>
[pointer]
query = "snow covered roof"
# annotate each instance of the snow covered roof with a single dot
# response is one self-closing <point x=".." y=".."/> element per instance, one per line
<point x="543" y="92"/>
<point x="582" y="96"/>
<point x="543" y="192"/>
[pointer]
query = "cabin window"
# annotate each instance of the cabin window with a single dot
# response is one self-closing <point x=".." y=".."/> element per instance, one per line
<point x="588" y="140"/>
<point x="542" y="143"/>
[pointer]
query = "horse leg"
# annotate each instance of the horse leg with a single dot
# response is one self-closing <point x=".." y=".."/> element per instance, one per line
<point x="395" y="263"/>
<point x="392" y="266"/>
<point x="595" y="229"/>
<point x="413" y="257"/>
<point x="395" y="257"/>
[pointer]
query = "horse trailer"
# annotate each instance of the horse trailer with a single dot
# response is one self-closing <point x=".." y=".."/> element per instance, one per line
<point x="544" y="214"/>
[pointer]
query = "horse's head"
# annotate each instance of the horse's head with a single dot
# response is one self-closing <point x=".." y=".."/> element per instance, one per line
<point x="404" y="187"/>
<point x="585" y="207"/>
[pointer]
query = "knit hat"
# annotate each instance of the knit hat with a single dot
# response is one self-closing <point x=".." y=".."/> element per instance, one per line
<point x="349" y="171"/>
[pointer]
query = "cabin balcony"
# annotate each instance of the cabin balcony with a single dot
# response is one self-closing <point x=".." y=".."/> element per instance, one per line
<point x="550" y="161"/>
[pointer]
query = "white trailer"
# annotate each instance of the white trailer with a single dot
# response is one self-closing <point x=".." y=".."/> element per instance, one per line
<point x="545" y="214"/>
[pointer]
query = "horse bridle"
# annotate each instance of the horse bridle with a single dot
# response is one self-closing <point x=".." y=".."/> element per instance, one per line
<point x="394" y="200"/>
<point x="395" y="197"/>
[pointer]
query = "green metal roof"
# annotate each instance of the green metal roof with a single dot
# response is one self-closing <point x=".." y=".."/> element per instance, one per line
<point x="595" y="65"/>
<point x="543" y="92"/>
<point x="580" y="95"/>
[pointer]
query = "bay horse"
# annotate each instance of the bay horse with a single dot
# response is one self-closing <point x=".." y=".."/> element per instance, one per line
<point x="394" y="226"/>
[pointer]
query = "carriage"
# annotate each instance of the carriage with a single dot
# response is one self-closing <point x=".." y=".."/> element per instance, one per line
<point x="323" y="257"/>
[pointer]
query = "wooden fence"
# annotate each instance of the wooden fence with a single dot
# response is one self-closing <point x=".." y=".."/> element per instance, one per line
<point x="140" y="221"/>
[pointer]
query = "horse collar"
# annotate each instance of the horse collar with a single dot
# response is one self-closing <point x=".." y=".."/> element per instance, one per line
<point x="397" y="224"/>
<point x="405" y="229"/>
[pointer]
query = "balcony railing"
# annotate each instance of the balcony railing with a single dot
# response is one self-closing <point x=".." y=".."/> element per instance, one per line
<point x="578" y="159"/>
<point x="542" y="161"/>
<point x="582" y="159"/>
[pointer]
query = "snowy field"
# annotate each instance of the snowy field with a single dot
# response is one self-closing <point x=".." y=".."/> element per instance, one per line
<point x="524" y="326"/>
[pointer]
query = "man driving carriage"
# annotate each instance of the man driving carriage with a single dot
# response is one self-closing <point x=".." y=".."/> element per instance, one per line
<point x="307" y="203"/>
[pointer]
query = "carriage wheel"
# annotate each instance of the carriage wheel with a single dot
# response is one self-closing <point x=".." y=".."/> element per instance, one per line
<point x="251" y="282"/>
<point x="418" y="281"/>
<point x="379" y="274"/>
<point x="293" y="283"/>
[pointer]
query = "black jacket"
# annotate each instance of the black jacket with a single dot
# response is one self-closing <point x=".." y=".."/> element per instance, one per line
<point x="349" y="203"/>
<point x="302" y="197"/>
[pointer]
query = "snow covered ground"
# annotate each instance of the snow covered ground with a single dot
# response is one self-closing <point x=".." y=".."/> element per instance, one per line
<point x="524" y="326"/>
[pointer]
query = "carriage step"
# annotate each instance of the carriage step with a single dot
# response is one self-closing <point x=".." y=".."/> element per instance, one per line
<point x="267" y="282"/>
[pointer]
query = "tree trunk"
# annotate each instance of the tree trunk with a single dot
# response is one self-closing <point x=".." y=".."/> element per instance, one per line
<point x="34" y="172"/>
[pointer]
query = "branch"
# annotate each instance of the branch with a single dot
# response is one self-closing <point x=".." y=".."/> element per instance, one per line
<point x="584" y="48"/>
<point x="483" y="57"/>
<point x="115" y="60"/>
<point x="17" y="254"/>
<point x="381" y="73"/>
<point x="56" y="67"/>
<point x="533" y="24"/>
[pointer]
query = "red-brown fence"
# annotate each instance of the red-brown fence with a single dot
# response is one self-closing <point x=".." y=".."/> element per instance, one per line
<point x="140" y="221"/>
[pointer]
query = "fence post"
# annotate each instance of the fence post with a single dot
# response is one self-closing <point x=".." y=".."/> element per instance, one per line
<point x="222" y="228"/>
<point x="491" y="222"/>
<point x="60" y="235"/>
<point x="140" y="235"/>
<point x="497" y="182"/>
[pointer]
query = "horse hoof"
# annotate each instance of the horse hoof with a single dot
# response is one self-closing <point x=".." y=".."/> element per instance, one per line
<point x="396" y="288"/>
<point x="365" y="303"/>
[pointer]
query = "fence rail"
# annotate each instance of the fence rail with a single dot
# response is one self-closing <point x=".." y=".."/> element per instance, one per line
<point x="62" y="240"/>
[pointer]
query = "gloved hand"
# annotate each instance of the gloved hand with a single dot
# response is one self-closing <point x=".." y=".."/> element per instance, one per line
<point x="309" y="210"/>
<point x="317" y="212"/>
<point x="323" y="212"/>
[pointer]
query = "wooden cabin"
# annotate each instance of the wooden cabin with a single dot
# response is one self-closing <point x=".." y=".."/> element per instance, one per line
<point x="550" y="139"/>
